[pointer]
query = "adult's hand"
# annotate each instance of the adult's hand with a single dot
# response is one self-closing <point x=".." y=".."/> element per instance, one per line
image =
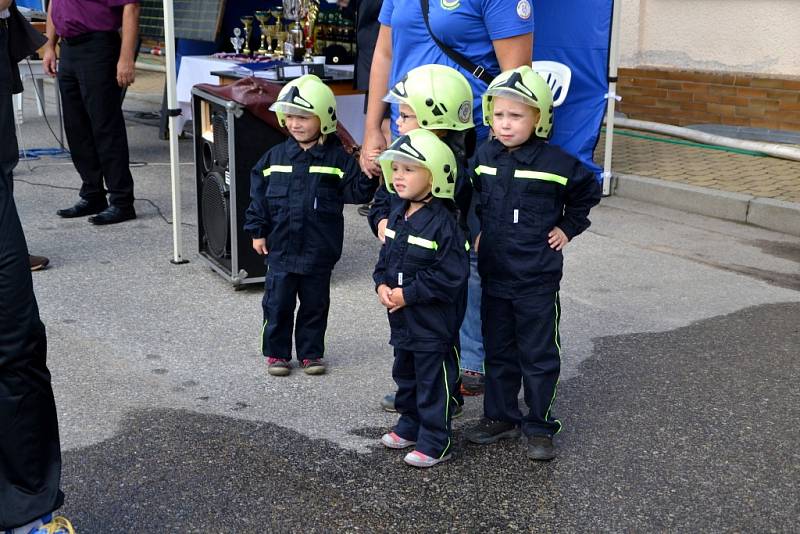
<point x="126" y="72"/>
<point x="49" y="63"/>
<point x="374" y="143"/>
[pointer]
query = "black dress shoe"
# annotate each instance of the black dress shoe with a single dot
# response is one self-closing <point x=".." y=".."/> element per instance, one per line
<point x="113" y="215"/>
<point x="82" y="208"/>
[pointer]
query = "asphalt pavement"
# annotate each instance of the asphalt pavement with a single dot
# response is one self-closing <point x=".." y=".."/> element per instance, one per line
<point x="681" y="336"/>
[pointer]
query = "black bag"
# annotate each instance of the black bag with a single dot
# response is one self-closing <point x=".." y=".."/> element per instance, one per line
<point x="477" y="70"/>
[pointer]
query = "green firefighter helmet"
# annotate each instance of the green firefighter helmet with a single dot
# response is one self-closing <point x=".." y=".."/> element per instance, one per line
<point x="439" y="95"/>
<point x="307" y="96"/>
<point x="523" y="85"/>
<point x="423" y="148"/>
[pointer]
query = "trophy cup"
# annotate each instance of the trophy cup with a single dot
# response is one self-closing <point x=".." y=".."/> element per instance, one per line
<point x="262" y="17"/>
<point x="311" y="14"/>
<point x="237" y="41"/>
<point x="277" y="12"/>
<point x="248" y="31"/>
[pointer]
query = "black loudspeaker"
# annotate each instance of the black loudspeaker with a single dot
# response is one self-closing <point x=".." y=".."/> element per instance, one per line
<point x="228" y="142"/>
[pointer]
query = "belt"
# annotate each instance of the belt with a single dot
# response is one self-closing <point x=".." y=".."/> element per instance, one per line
<point x="86" y="37"/>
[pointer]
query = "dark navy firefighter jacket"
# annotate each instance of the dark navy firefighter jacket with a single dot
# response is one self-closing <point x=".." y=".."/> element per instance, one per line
<point x="521" y="196"/>
<point x="426" y="255"/>
<point x="296" y="202"/>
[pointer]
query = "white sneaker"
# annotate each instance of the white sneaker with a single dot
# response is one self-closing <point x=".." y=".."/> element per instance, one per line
<point x="418" y="459"/>
<point x="393" y="441"/>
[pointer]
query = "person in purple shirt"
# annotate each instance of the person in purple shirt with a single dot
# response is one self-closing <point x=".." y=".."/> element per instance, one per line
<point x="97" y="63"/>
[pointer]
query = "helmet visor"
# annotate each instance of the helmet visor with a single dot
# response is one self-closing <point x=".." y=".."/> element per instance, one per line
<point x="287" y="108"/>
<point x="390" y="156"/>
<point x="393" y="98"/>
<point x="511" y="94"/>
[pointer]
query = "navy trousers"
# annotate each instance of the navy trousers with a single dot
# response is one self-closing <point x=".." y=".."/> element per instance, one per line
<point x="425" y="399"/>
<point x="522" y="344"/>
<point x="30" y="453"/>
<point x="281" y="294"/>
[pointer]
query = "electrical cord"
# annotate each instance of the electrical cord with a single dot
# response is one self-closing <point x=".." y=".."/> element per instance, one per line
<point x="67" y="188"/>
<point x="40" y="97"/>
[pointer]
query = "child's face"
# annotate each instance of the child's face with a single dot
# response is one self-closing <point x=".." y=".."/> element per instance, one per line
<point x="513" y="121"/>
<point x="410" y="181"/>
<point x="304" y="129"/>
<point x="406" y="120"/>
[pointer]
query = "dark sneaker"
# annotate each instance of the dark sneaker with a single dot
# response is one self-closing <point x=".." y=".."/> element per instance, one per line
<point x="489" y="431"/>
<point x="541" y="448"/>
<point x="471" y="383"/>
<point x="278" y="367"/>
<point x="314" y="366"/>
<point x="363" y="209"/>
<point x="387" y="403"/>
<point x="38" y="262"/>
<point x="458" y="411"/>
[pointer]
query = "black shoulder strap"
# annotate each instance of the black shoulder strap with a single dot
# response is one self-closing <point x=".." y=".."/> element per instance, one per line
<point x="476" y="70"/>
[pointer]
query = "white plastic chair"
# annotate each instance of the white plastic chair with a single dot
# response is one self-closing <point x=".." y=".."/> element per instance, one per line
<point x="557" y="75"/>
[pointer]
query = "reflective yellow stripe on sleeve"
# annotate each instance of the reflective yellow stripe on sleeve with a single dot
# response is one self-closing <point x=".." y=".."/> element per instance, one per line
<point x="424" y="243"/>
<point x="483" y="169"/>
<point x="389" y="233"/>
<point x="536" y="175"/>
<point x="466" y="246"/>
<point x="277" y="168"/>
<point x="326" y="170"/>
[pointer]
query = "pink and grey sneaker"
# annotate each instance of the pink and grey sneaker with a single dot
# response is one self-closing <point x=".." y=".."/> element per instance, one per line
<point x="418" y="459"/>
<point x="393" y="441"/>
<point x="278" y="366"/>
<point x="313" y="366"/>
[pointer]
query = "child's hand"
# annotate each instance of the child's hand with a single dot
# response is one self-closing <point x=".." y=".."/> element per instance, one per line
<point x="557" y="239"/>
<point x="385" y="295"/>
<point x="478" y="242"/>
<point x="382" y="229"/>
<point x="260" y="246"/>
<point x="397" y="299"/>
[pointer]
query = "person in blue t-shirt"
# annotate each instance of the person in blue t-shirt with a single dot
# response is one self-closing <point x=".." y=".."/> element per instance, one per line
<point x="493" y="34"/>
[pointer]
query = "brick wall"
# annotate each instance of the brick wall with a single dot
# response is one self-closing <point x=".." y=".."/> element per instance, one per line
<point x="692" y="97"/>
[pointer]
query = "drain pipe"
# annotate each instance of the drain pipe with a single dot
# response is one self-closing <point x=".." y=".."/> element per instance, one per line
<point x="771" y="149"/>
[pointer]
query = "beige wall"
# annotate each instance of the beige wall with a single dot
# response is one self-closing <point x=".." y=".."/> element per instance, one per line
<point x="758" y="36"/>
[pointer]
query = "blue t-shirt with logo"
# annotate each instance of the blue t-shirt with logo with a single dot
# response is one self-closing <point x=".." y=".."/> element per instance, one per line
<point x="466" y="26"/>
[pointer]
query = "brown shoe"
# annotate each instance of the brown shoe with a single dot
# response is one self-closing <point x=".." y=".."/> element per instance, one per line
<point x="38" y="263"/>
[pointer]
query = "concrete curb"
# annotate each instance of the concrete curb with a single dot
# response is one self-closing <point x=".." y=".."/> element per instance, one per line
<point x="767" y="213"/>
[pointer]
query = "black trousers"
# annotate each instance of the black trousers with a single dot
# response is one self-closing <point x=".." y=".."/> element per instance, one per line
<point x="93" y="121"/>
<point x="522" y="344"/>
<point x="425" y="399"/>
<point x="30" y="453"/>
<point x="281" y="294"/>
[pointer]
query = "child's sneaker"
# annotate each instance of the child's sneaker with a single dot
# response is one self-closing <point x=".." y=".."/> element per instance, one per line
<point x="387" y="403"/>
<point x="418" y="459"/>
<point x="471" y="383"/>
<point x="393" y="441"/>
<point x="278" y="366"/>
<point x="489" y="431"/>
<point x="313" y="366"/>
<point x="540" y="447"/>
<point x="53" y="525"/>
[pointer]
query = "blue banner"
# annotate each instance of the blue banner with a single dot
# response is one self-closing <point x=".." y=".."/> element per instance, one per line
<point x="577" y="33"/>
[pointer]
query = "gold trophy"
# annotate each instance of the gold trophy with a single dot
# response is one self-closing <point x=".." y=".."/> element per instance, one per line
<point x="263" y="17"/>
<point x="311" y="8"/>
<point x="248" y="31"/>
<point x="277" y="12"/>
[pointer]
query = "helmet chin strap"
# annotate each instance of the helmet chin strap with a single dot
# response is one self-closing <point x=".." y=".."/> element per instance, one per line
<point x="423" y="200"/>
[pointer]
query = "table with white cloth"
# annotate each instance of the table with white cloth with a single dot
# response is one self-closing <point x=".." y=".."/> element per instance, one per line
<point x="198" y="69"/>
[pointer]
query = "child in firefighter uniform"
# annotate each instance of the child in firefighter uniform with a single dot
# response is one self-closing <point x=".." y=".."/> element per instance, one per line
<point x="421" y="278"/>
<point x="297" y="193"/>
<point x="533" y="199"/>
<point x="436" y="98"/>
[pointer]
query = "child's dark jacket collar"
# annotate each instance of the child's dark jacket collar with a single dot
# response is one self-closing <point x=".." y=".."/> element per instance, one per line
<point x="525" y="154"/>
<point x="294" y="150"/>
<point x="420" y="218"/>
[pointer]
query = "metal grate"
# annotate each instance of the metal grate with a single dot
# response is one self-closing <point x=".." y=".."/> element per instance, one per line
<point x="220" y="125"/>
<point x="216" y="216"/>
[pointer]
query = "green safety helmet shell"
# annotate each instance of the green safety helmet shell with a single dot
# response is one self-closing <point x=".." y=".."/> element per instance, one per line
<point x="523" y="85"/>
<point x="439" y="95"/>
<point x="423" y="148"/>
<point x="307" y="95"/>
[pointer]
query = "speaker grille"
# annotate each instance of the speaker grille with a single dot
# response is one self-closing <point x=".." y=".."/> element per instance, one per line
<point x="220" y="125"/>
<point x="216" y="215"/>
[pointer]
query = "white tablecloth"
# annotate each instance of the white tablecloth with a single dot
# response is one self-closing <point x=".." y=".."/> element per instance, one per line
<point x="197" y="69"/>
